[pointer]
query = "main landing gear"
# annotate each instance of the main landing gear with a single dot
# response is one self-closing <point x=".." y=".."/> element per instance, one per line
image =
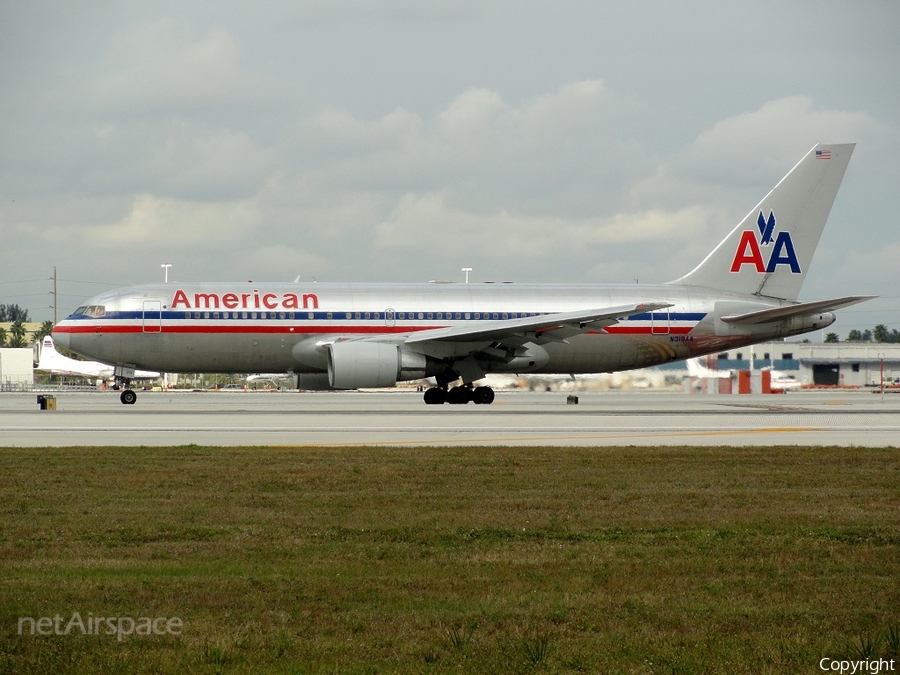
<point x="460" y="395"/>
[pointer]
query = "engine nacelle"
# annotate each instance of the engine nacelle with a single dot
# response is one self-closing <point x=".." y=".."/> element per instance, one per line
<point x="356" y="364"/>
<point x="803" y="324"/>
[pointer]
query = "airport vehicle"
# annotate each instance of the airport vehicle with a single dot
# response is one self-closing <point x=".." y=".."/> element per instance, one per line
<point x="53" y="362"/>
<point x="348" y="336"/>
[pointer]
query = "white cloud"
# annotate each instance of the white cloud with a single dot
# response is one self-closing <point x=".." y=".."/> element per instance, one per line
<point x="559" y="152"/>
<point x="750" y="146"/>
<point x="284" y="262"/>
<point x="165" y="224"/>
<point x="428" y="222"/>
<point x="317" y="12"/>
<point x="153" y="65"/>
<point x="223" y="164"/>
<point x="335" y="131"/>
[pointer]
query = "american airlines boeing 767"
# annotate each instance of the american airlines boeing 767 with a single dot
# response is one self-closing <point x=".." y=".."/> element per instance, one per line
<point x="349" y="336"/>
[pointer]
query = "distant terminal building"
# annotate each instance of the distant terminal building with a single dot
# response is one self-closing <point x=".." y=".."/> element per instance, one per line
<point x="16" y="369"/>
<point x="849" y="364"/>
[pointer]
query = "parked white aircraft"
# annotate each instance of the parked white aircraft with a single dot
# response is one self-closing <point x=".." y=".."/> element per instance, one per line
<point x="347" y="336"/>
<point x="697" y="368"/>
<point x="55" y="363"/>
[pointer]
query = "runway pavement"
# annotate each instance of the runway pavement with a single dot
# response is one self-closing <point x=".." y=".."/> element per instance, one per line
<point x="401" y="418"/>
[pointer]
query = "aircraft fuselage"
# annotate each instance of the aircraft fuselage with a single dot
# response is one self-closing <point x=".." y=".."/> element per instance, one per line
<point x="281" y="327"/>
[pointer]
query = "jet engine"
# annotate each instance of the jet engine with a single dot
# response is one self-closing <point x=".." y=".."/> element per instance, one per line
<point x="356" y="364"/>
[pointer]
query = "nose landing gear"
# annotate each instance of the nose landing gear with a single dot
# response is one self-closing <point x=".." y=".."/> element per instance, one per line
<point x="123" y="376"/>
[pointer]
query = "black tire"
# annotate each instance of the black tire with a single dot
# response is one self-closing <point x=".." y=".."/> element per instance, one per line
<point x="435" y="396"/>
<point x="483" y="395"/>
<point x="128" y="397"/>
<point x="459" y="395"/>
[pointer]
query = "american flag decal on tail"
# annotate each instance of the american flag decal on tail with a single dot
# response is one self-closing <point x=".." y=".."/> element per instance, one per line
<point x="823" y="154"/>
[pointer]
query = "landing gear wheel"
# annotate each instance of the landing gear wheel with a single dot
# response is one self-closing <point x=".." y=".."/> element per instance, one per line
<point x="128" y="397"/>
<point x="435" y="396"/>
<point x="484" y="395"/>
<point x="461" y="395"/>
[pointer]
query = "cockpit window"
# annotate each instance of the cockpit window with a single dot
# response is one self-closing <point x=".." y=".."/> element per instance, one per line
<point x="95" y="310"/>
<point x="80" y="311"/>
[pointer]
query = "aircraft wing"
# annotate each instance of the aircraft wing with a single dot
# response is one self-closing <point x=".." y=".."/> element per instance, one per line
<point x="541" y="328"/>
<point x="81" y="372"/>
<point x="801" y="309"/>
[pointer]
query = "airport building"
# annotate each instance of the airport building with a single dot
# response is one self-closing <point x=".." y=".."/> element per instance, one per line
<point x="16" y="368"/>
<point x="848" y="364"/>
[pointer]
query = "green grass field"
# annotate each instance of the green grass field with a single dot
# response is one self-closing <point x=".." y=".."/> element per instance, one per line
<point x="460" y="560"/>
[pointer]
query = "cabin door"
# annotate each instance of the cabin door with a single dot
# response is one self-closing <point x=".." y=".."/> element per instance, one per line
<point x="659" y="322"/>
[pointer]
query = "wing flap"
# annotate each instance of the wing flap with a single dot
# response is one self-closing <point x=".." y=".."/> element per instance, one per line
<point x="549" y="326"/>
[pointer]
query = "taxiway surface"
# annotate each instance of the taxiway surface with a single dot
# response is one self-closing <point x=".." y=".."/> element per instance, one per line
<point x="845" y="418"/>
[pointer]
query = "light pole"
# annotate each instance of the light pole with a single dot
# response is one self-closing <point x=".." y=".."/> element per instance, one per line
<point x="166" y="267"/>
<point x="467" y="270"/>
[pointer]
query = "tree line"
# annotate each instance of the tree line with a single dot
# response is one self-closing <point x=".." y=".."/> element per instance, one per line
<point x="16" y="336"/>
<point x="879" y="333"/>
<point x="13" y="313"/>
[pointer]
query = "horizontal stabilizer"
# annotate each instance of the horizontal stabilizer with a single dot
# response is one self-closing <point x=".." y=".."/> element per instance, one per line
<point x="802" y="309"/>
<point x="498" y="330"/>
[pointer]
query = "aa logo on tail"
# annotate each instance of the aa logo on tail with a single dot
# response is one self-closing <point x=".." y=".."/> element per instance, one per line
<point x="749" y="252"/>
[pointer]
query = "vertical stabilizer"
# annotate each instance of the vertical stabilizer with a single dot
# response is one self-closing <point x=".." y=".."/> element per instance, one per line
<point x="49" y="357"/>
<point x="769" y="252"/>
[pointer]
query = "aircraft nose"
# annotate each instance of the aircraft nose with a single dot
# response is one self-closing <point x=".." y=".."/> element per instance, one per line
<point x="60" y="339"/>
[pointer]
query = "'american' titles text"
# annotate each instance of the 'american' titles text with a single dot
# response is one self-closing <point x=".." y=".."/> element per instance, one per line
<point x="252" y="300"/>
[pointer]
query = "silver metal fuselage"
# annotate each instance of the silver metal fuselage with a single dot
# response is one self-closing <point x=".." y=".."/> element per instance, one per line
<point x="269" y="327"/>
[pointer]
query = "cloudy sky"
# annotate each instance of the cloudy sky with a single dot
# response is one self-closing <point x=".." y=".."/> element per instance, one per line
<point x="355" y="140"/>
